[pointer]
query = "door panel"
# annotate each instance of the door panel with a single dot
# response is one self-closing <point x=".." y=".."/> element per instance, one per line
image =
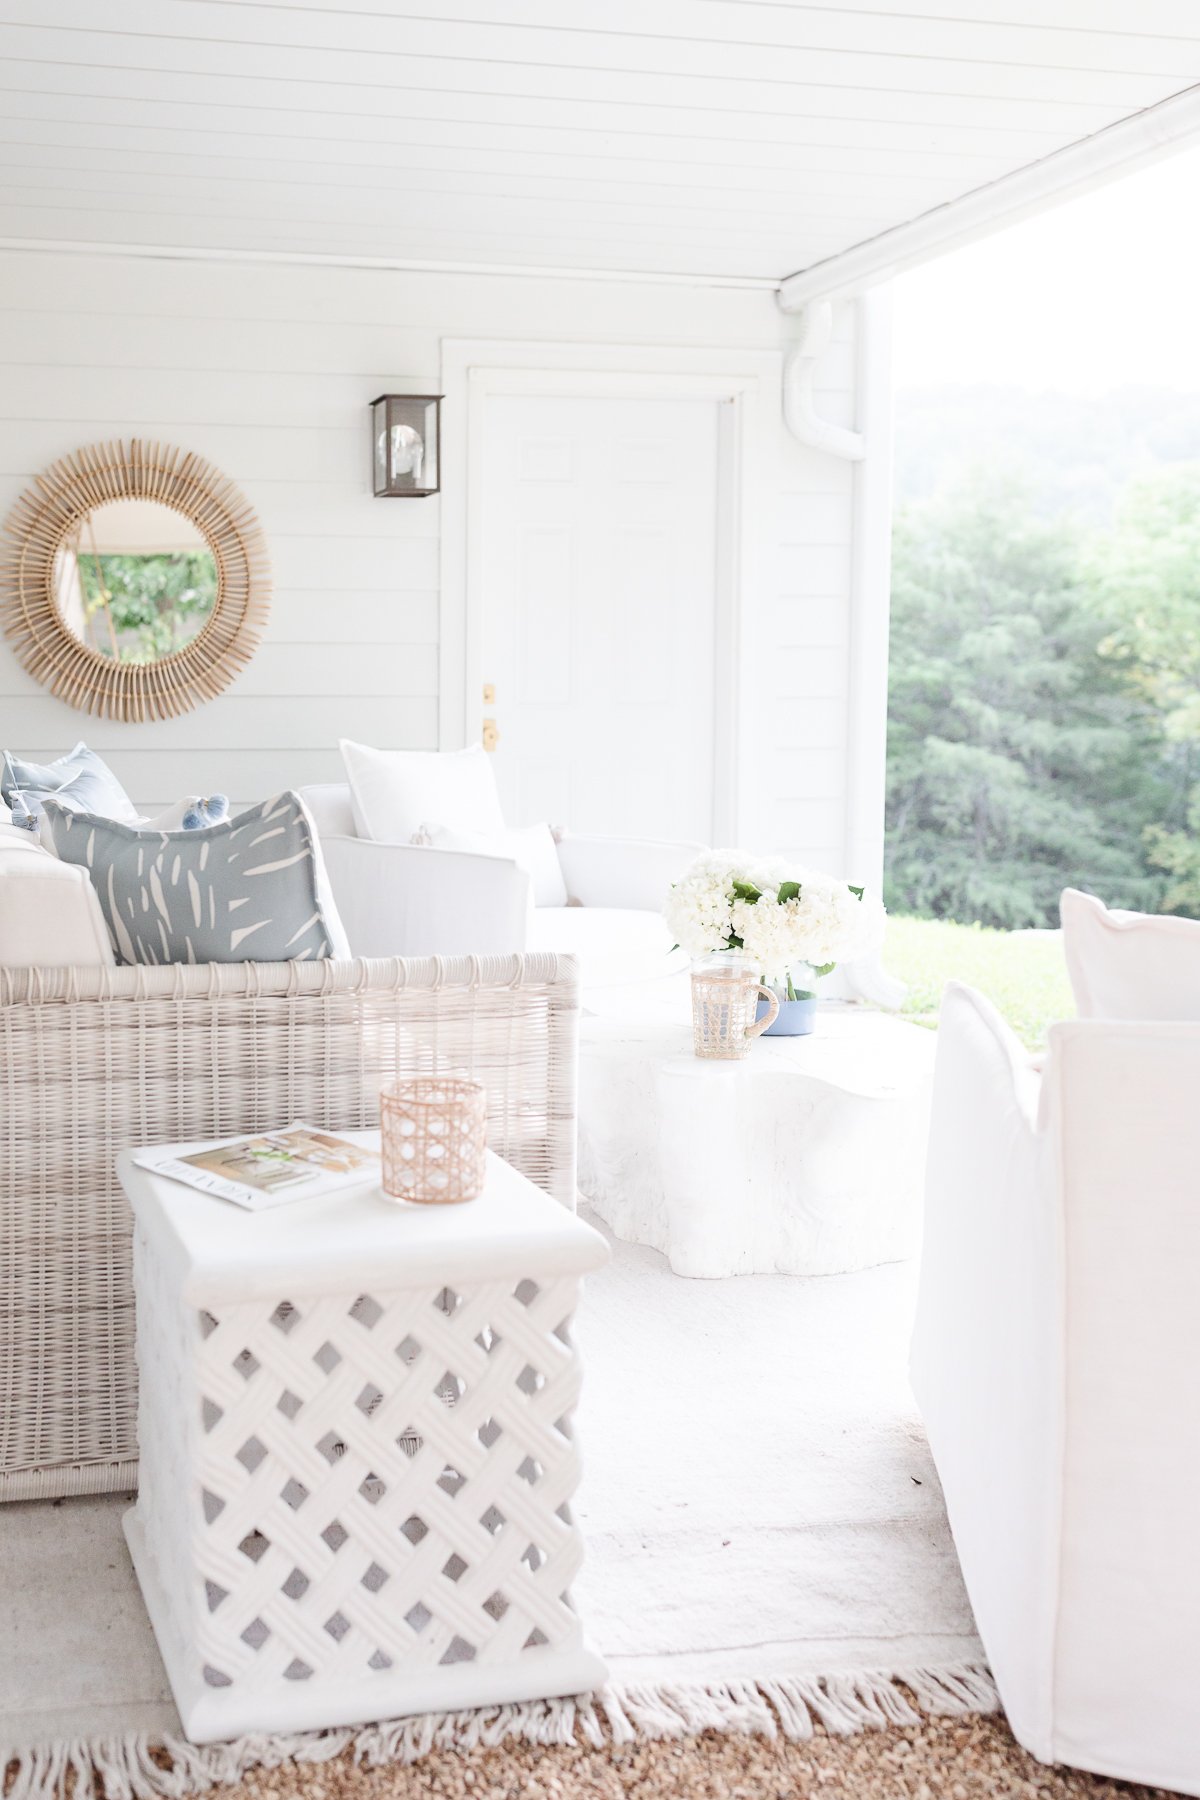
<point x="599" y="595"/>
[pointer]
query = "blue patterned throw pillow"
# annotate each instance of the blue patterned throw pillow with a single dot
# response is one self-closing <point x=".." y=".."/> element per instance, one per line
<point x="250" y="889"/>
<point x="80" y="779"/>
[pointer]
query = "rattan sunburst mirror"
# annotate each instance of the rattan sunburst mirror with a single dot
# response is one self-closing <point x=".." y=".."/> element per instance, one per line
<point x="134" y="580"/>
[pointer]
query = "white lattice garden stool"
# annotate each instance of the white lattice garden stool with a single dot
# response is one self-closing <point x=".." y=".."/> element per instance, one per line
<point x="356" y="1453"/>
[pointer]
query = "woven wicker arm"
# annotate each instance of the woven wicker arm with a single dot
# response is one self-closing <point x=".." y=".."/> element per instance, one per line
<point x="95" y="1061"/>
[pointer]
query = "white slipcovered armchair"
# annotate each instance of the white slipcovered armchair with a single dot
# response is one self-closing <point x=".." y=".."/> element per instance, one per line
<point x="412" y="900"/>
<point x="1056" y="1360"/>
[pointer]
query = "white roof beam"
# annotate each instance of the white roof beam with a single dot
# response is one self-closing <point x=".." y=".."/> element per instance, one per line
<point x="1131" y="143"/>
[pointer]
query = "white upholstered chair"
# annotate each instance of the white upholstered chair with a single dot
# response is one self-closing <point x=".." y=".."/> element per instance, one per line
<point x="413" y="900"/>
<point x="1056" y="1360"/>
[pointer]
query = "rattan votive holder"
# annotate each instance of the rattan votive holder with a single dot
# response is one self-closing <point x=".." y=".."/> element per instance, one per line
<point x="433" y="1134"/>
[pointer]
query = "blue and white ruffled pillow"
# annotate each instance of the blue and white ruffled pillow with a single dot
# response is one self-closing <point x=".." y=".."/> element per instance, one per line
<point x="84" y="782"/>
<point x="80" y="780"/>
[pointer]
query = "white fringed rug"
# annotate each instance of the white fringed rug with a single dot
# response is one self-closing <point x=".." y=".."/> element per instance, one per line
<point x="766" y="1539"/>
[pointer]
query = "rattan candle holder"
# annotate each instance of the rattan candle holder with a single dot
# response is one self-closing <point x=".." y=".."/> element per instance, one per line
<point x="433" y="1135"/>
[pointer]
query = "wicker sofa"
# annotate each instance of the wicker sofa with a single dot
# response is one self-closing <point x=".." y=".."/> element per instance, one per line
<point x="97" y="1060"/>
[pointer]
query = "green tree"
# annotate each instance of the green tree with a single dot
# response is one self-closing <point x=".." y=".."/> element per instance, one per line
<point x="157" y="603"/>
<point x="1020" y="759"/>
<point x="1145" y="575"/>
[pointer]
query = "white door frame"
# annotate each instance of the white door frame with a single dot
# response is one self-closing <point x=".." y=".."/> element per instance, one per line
<point x="748" y="381"/>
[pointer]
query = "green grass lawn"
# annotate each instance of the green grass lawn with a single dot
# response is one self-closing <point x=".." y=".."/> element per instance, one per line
<point x="1021" y="972"/>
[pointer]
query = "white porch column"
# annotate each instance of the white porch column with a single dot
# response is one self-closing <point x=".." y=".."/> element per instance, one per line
<point x="870" y="592"/>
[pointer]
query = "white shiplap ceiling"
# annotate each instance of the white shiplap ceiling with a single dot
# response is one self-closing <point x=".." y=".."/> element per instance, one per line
<point x="742" y="139"/>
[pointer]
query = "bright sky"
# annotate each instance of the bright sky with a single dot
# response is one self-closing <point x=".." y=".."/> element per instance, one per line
<point x="1101" y="293"/>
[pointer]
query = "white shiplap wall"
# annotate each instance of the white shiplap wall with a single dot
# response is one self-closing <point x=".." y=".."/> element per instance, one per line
<point x="267" y="370"/>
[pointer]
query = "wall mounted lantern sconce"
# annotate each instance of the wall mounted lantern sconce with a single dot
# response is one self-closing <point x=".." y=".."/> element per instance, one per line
<point x="406" y="444"/>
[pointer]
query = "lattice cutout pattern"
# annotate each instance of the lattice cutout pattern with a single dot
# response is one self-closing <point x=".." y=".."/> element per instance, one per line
<point x="380" y="1481"/>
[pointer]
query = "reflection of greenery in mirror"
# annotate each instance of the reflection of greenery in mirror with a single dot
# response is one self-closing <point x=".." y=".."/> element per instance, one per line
<point x="136" y="581"/>
<point x="141" y="608"/>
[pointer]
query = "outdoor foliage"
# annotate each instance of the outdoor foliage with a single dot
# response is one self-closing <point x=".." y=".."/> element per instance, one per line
<point x="1045" y="703"/>
<point x="156" y="603"/>
<point x="1021" y="972"/>
<point x="1147" y="572"/>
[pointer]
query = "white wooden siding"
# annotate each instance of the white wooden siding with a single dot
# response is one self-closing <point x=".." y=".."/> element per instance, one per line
<point x="268" y="372"/>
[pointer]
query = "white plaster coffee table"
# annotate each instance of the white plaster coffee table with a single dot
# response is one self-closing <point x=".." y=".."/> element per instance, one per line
<point x="805" y="1158"/>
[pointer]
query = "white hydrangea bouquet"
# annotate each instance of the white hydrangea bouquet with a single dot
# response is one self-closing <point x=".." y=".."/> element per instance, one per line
<point x="787" y="921"/>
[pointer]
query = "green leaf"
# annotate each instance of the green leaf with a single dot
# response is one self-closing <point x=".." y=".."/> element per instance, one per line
<point x="788" y="890"/>
<point x="824" y="968"/>
<point x="745" y="890"/>
<point x="856" y="891"/>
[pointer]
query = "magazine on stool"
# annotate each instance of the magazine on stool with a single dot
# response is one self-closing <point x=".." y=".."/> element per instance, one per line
<point x="266" y="1169"/>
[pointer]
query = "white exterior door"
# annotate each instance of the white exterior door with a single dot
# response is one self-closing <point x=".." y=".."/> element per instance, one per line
<point x="598" y="577"/>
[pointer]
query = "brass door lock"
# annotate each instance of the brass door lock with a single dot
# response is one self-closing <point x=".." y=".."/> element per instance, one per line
<point x="491" y="735"/>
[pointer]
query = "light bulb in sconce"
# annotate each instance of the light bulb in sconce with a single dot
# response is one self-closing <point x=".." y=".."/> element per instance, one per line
<point x="405" y="444"/>
<point x="407" y="457"/>
<point x="408" y="452"/>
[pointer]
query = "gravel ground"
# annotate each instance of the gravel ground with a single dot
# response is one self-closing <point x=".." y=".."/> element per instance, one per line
<point x="953" y="1759"/>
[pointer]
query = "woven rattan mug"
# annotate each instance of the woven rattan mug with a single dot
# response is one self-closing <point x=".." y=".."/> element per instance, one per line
<point x="725" y="996"/>
<point x="433" y="1136"/>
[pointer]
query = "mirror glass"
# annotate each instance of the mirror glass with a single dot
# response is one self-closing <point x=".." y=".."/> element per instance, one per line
<point x="135" y="580"/>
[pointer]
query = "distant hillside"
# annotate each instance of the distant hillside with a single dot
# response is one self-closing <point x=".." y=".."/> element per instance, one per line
<point x="1078" y="453"/>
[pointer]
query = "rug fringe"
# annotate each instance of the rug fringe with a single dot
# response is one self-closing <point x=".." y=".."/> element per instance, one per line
<point x="137" y="1766"/>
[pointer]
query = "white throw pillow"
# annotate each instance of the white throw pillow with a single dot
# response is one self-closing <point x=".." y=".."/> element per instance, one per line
<point x="395" y="791"/>
<point x="531" y="847"/>
<point x="1127" y="965"/>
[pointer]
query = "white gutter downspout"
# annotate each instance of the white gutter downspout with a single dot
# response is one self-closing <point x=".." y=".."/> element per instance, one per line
<point x="799" y="379"/>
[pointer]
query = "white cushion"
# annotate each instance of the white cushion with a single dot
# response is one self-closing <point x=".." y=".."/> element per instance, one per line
<point x="1127" y="965"/>
<point x="623" y="872"/>
<point x="50" y="917"/>
<point x="531" y="847"/>
<point x="330" y="808"/>
<point x="408" y="900"/>
<point x="395" y="791"/>
<point x="616" y="946"/>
